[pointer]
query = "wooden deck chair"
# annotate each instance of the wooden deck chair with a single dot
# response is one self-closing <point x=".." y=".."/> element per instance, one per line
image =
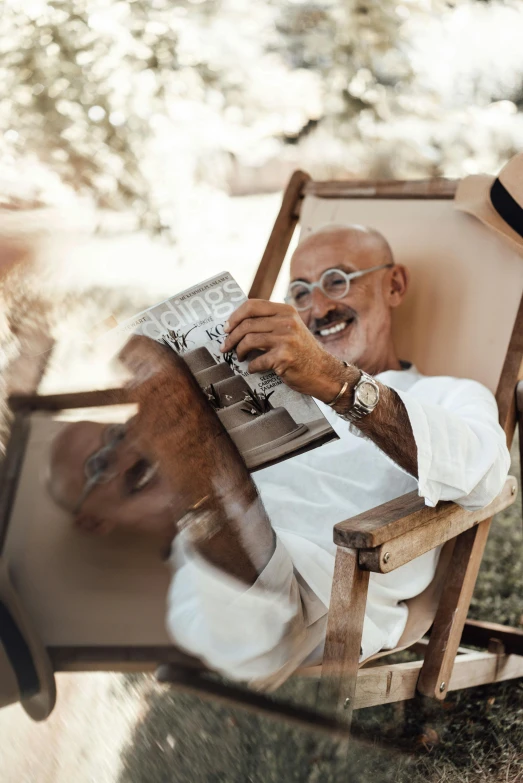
<point x="99" y="604"/>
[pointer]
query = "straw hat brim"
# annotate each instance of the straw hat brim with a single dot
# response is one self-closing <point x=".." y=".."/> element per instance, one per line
<point x="473" y="197"/>
<point x="40" y="705"/>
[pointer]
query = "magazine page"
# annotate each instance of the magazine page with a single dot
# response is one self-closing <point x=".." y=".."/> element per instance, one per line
<point x="266" y="420"/>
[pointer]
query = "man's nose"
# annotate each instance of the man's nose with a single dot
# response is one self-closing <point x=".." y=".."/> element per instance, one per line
<point x="320" y="304"/>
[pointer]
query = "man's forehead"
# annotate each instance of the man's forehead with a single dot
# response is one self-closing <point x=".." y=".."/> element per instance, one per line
<point x="81" y="439"/>
<point x="348" y="249"/>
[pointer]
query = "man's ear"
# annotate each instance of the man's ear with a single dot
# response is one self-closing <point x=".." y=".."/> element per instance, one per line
<point x="88" y="523"/>
<point x="398" y="284"/>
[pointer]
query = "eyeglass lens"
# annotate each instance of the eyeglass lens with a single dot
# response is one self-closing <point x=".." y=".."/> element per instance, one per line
<point x="113" y="434"/>
<point x="333" y="283"/>
<point x="98" y="463"/>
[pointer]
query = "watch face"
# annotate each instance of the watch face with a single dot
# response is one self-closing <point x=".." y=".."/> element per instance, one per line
<point x="368" y="394"/>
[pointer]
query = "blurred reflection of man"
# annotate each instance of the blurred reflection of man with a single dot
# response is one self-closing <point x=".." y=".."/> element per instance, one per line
<point x="252" y="576"/>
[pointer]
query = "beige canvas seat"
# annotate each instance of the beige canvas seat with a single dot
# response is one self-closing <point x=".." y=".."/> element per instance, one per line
<point x="99" y="603"/>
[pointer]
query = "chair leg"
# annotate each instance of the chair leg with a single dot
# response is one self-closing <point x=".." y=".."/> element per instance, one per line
<point x="452" y="611"/>
<point x="519" y="419"/>
<point x="343" y="639"/>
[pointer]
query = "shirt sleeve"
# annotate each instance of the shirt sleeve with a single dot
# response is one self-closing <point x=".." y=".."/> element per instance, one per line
<point x="462" y="450"/>
<point x="258" y="633"/>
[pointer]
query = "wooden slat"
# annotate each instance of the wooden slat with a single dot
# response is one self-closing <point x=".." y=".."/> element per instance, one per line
<point x="479" y="633"/>
<point x="421" y="647"/>
<point x="343" y="638"/>
<point x="396" y="189"/>
<point x="404" y="514"/>
<point x="510" y="373"/>
<point x="379" y="524"/>
<point x="452" y="611"/>
<point x="397" y="682"/>
<point x="380" y="684"/>
<point x="116" y="658"/>
<point x="189" y="682"/>
<point x="10" y="470"/>
<point x="56" y="402"/>
<point x="445" y="526"/>
<point x="519" y="423"/>
<point x="280" y="238"/>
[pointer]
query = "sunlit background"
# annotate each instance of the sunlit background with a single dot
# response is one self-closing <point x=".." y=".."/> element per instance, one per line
<point x="144" y="146"/>
<point x="159" y="134"/>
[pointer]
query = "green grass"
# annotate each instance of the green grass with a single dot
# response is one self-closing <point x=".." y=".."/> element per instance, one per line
<point x="475" y="736"/>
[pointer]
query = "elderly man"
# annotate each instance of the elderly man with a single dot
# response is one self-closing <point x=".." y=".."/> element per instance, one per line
<point x="253" y="558"/>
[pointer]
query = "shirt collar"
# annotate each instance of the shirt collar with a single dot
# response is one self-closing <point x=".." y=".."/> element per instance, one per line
<point x="400" y="379"/>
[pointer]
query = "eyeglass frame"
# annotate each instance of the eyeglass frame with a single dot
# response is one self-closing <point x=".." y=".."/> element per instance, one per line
<point x="115" y="434"/>
<point x="289" y="299"/>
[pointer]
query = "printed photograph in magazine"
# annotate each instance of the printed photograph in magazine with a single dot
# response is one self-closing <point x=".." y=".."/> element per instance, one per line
<point x="266" y="420"/>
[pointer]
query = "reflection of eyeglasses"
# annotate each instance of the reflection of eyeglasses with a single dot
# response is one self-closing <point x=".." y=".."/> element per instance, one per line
<point x="334" y="284"/>
<point x="96" y="467"/>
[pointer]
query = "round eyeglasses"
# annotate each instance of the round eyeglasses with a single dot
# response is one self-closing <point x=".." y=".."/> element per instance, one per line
<point x="334" y="284"/>
<point x="96" y="467"/>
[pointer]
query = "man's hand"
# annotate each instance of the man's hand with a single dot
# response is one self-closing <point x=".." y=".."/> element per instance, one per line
<point x="288" y="348"/>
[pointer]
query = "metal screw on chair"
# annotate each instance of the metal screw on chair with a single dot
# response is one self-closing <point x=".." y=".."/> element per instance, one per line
<point x="386" y="557"/>
<point x="442" y="687"/>
<point x="346" y="703"/>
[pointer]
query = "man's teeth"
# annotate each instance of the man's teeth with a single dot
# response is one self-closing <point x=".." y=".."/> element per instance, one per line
<point x="333" y="329"/>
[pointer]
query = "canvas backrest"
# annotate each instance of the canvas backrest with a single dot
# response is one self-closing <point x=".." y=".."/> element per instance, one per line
<point x="465" y="282"/>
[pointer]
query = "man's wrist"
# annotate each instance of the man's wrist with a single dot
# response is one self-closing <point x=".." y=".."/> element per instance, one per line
<point x="338" y="376"/>
<point x="346" y="400"/>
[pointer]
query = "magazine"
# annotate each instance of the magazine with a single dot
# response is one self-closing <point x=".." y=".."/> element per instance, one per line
<point x="266" y="419"/>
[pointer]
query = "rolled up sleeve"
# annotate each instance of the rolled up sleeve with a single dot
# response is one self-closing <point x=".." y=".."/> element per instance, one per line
<point x="257" y="633"/>
<point x="462" y="450"/>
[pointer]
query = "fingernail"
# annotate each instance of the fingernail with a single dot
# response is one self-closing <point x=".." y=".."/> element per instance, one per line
<point x="222" y="348"/>
<point x="226" y="326"/>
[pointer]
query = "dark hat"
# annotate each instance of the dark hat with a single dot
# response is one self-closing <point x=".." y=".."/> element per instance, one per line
<point x="496" y="201"/>
<point x="26" y="674"/>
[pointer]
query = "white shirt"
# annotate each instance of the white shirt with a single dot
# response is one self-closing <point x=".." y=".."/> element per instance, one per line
<point x="462" y="456"/>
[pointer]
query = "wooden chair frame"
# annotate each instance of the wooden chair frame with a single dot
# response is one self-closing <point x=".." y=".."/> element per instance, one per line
<point x="379" y="540"/>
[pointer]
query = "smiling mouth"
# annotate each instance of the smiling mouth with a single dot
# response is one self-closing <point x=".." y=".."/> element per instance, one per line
<point x="327" y="331"/>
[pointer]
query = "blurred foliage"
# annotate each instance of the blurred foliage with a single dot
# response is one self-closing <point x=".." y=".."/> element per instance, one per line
<point x="132" y="102"/>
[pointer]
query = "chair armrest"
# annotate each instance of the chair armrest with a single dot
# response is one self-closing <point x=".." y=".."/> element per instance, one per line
<point x="409" y="528"/>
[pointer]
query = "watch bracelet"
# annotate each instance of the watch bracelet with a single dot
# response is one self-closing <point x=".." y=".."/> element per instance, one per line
<point x="358" y="410"/>
<point x="200" y="521"/>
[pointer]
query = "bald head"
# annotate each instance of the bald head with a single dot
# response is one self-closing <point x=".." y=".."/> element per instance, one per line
<point x="357" y="326"/>
<point x="366" y="247"/>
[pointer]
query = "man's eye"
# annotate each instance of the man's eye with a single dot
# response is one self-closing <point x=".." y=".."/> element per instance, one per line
<point x="139" y="476"/>
<point x="300" y="294"/>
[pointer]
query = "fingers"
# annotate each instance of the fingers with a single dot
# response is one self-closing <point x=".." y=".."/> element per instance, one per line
<point x="283" y="325"/>
<point x="254" y="342"/>
<point x="280" y="359"/>
<point x="257" y="308"/>
<point x="255" y="333"/>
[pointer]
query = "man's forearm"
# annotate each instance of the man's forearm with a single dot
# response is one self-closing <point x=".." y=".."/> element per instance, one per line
<point x="388" y="425"/>
<point x="213" y="493"/>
